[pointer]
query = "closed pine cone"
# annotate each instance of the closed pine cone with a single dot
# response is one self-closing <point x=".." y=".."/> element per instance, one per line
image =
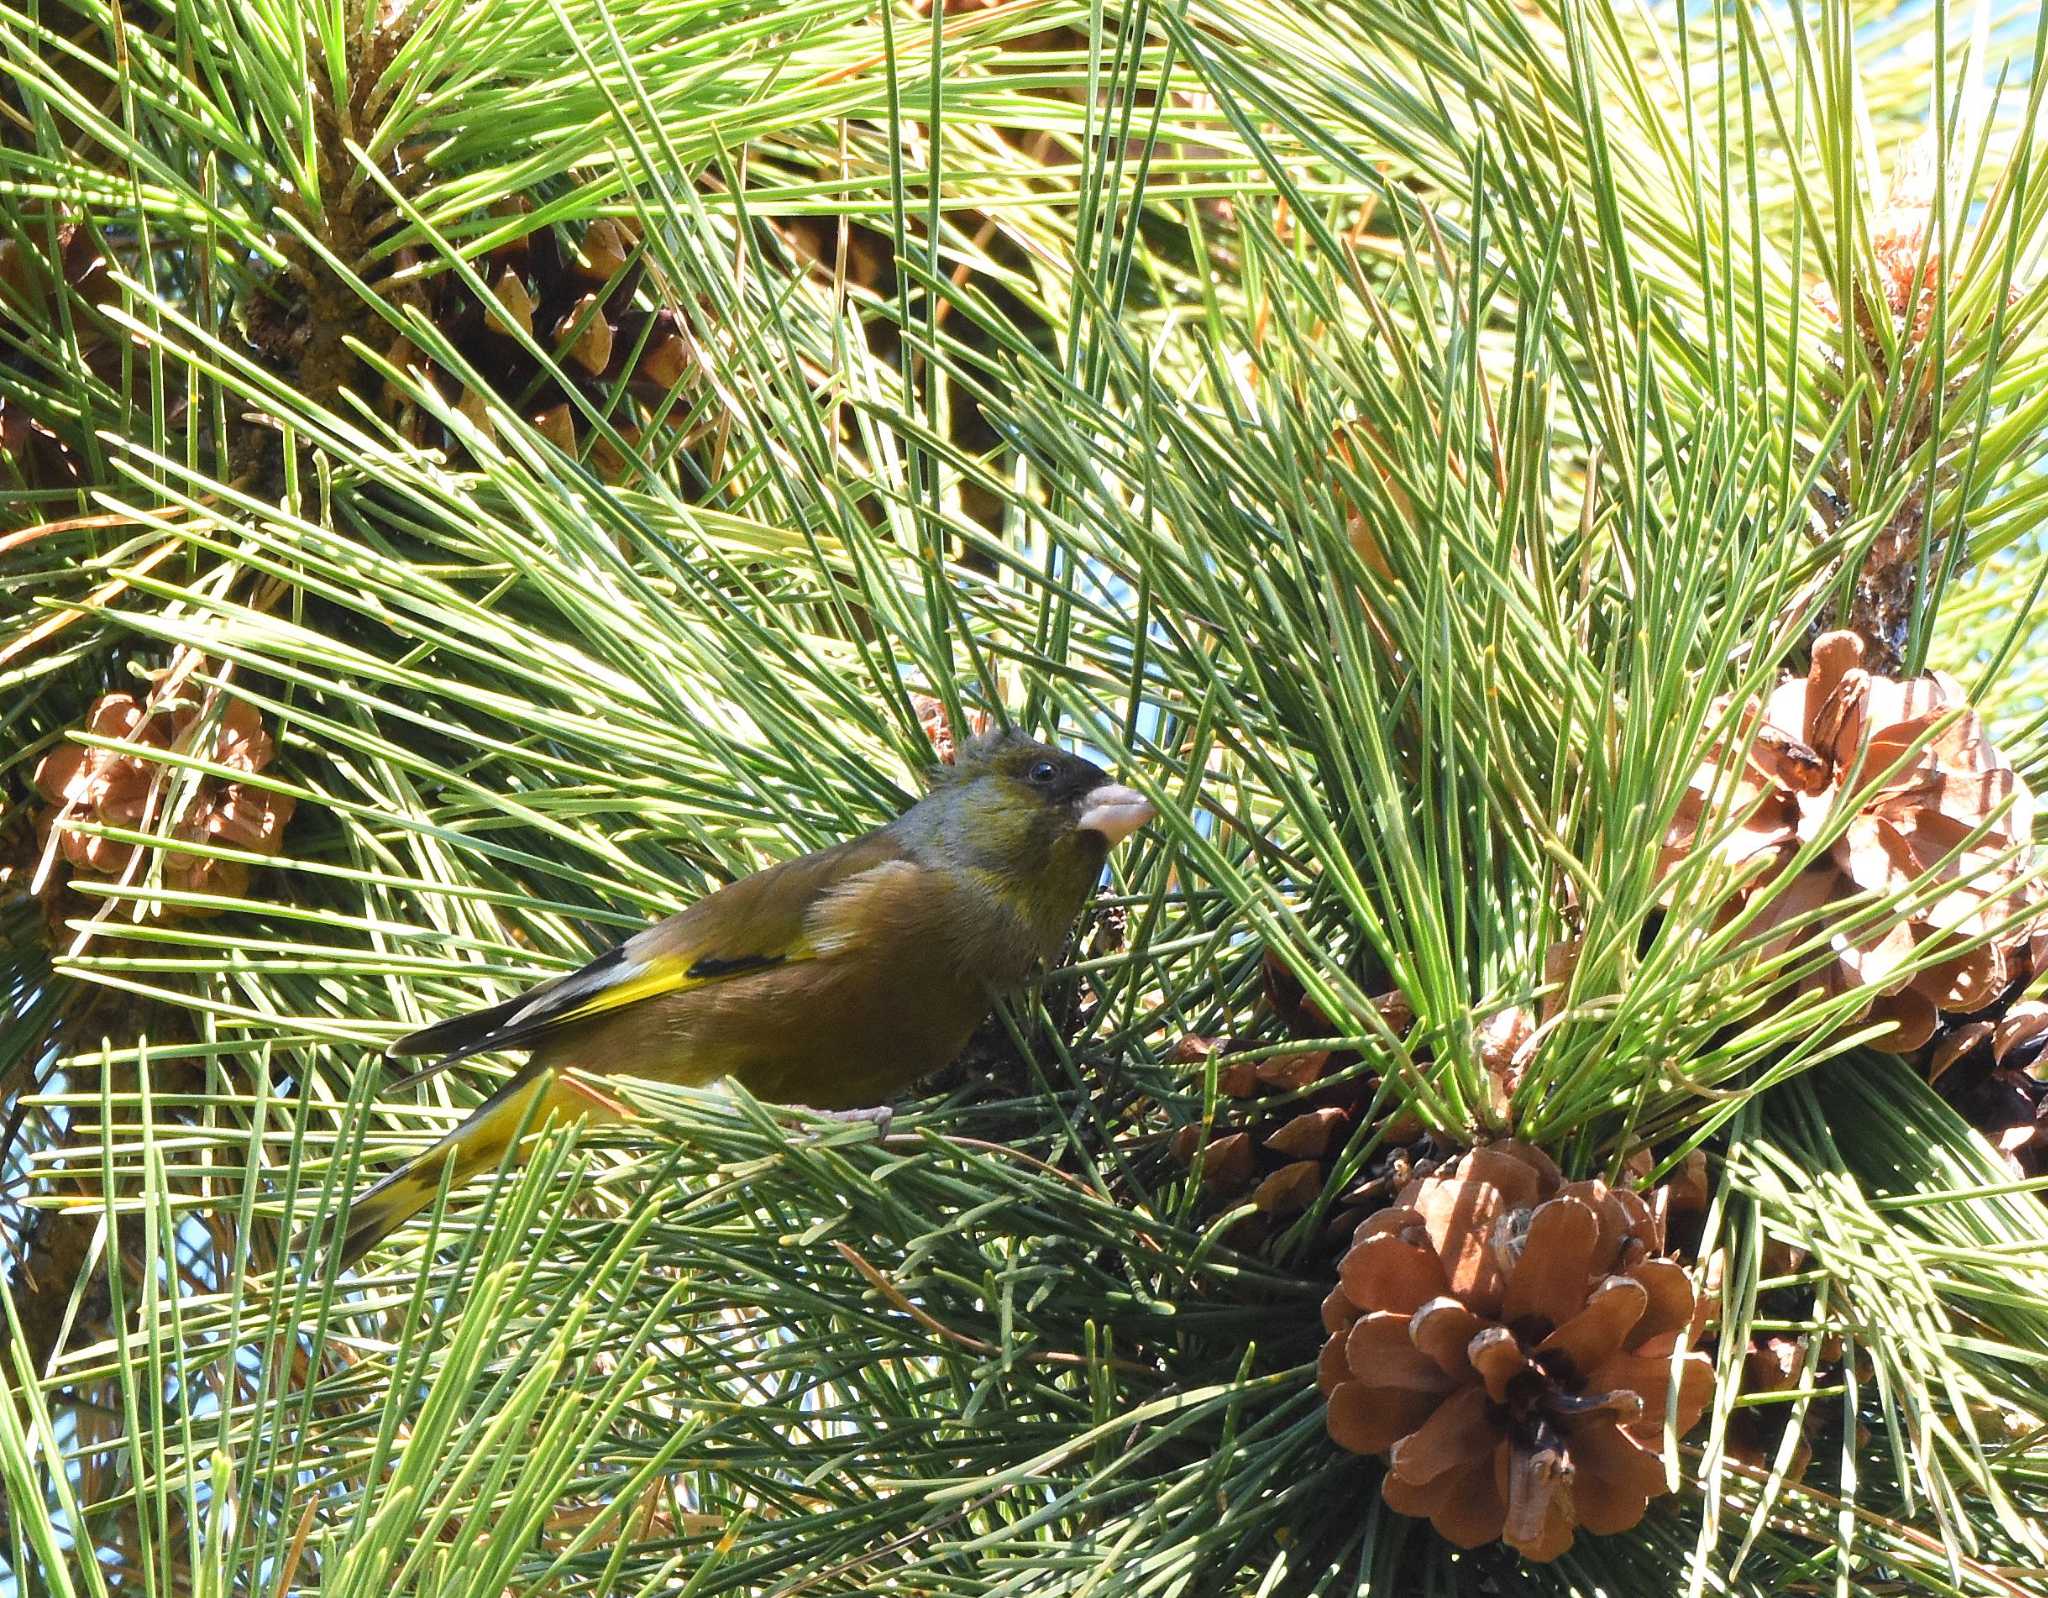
<point x="41" y="444"/>
<point x="1292" y="1115"/>
<point x="1273" y="1151"/>
<point x="583" y="309"/>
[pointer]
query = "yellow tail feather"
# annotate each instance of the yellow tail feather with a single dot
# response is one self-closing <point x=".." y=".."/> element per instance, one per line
<point x="475" y="1145"/>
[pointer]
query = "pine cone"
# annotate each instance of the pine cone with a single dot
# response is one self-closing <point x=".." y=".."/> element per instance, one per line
<point x="1821" y="742"/>
<point x="1756" y="1431"/>
<point x="40" y="445"/>
<point x="1506" y="1341"/>
<point x="938" y="727"/>
<point x="1296" y="1113"/>
<point x="120" y="787"/>
<point x="579" y="308"/>
<point x="102" y="784"/>
<point x="1275" y="1152"/>
<point x="1990" y="1070"/>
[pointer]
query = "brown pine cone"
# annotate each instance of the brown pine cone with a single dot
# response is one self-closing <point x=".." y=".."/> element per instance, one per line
<point x="1506" y="1341"/>
<point x="579" y="307"/>
<point x="1275" y="1148"/>
<point x="1991" y="1071"/>
<point x="1295" y="1113"/>
<point x="1820" y="745"/>
<point x="121" y="787"/>
<point x="40" y="445"/>
<point x="1756" y="1432"/>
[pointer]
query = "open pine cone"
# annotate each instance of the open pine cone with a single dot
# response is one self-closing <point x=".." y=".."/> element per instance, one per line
<point x="126" y="787"/>
<point x="1841" y="737"/>
<point x="1511" y="1343"/>
<point x="40" y="443"/>
<point x="1991" y="1072"/>
<point x="938" y="726"/>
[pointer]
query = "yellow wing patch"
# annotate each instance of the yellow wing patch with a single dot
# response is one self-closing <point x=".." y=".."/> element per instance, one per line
<point x="840" y="917"/>
<point x="677" y="973"/>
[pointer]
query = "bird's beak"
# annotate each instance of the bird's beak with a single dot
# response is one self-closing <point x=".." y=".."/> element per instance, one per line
<point x="1114" y="811"/>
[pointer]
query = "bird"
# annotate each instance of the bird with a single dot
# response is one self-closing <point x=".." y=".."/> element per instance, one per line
<point x="833" y="980"/>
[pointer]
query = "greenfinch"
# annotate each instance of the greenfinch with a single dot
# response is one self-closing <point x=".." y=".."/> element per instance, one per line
<point x="832" y="981"/>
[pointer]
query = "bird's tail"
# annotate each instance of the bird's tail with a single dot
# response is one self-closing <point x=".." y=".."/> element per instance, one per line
<point x="473" y="1146"/>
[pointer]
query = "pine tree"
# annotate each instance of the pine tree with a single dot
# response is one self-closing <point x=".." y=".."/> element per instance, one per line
<point x="1544" y="496"/>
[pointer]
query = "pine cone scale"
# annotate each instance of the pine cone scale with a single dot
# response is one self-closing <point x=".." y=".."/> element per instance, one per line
<point x="1367" y="1420"/>
<point x="1379" y="1353"/>
<point x="1619" y="1478"/>
<point x="1391" y="1274"/>
<point x="1548" y="1282"/>
<point x="1614" y="1309"/>
<point x="1444" y="1329"/>
<point x="1459" y="1432"/>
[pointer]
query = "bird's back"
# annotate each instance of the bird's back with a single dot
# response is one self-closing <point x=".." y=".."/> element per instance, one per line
<point x="881" y="992"/>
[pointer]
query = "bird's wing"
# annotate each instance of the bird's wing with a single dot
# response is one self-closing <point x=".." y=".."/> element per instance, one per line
<point x="772" y="918"/>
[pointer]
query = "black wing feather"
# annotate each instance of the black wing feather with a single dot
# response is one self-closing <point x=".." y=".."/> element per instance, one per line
<point x="755" y="920"/>
<point x="457" y="1032"/>
<point x="505" y="1025"/>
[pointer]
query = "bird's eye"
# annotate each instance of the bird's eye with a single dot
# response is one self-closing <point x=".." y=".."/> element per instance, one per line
<point x="1044" y="772"/>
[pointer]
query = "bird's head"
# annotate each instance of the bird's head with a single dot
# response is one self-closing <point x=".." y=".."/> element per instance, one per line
<point x="1033" y="821"/>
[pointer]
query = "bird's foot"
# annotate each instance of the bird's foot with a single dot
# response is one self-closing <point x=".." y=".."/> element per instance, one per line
<point x="879" y="1116"/>
<point x="603" y="1104"/>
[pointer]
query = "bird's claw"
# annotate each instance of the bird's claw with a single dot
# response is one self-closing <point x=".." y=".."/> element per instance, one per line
<point x="879" y="1116"/>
